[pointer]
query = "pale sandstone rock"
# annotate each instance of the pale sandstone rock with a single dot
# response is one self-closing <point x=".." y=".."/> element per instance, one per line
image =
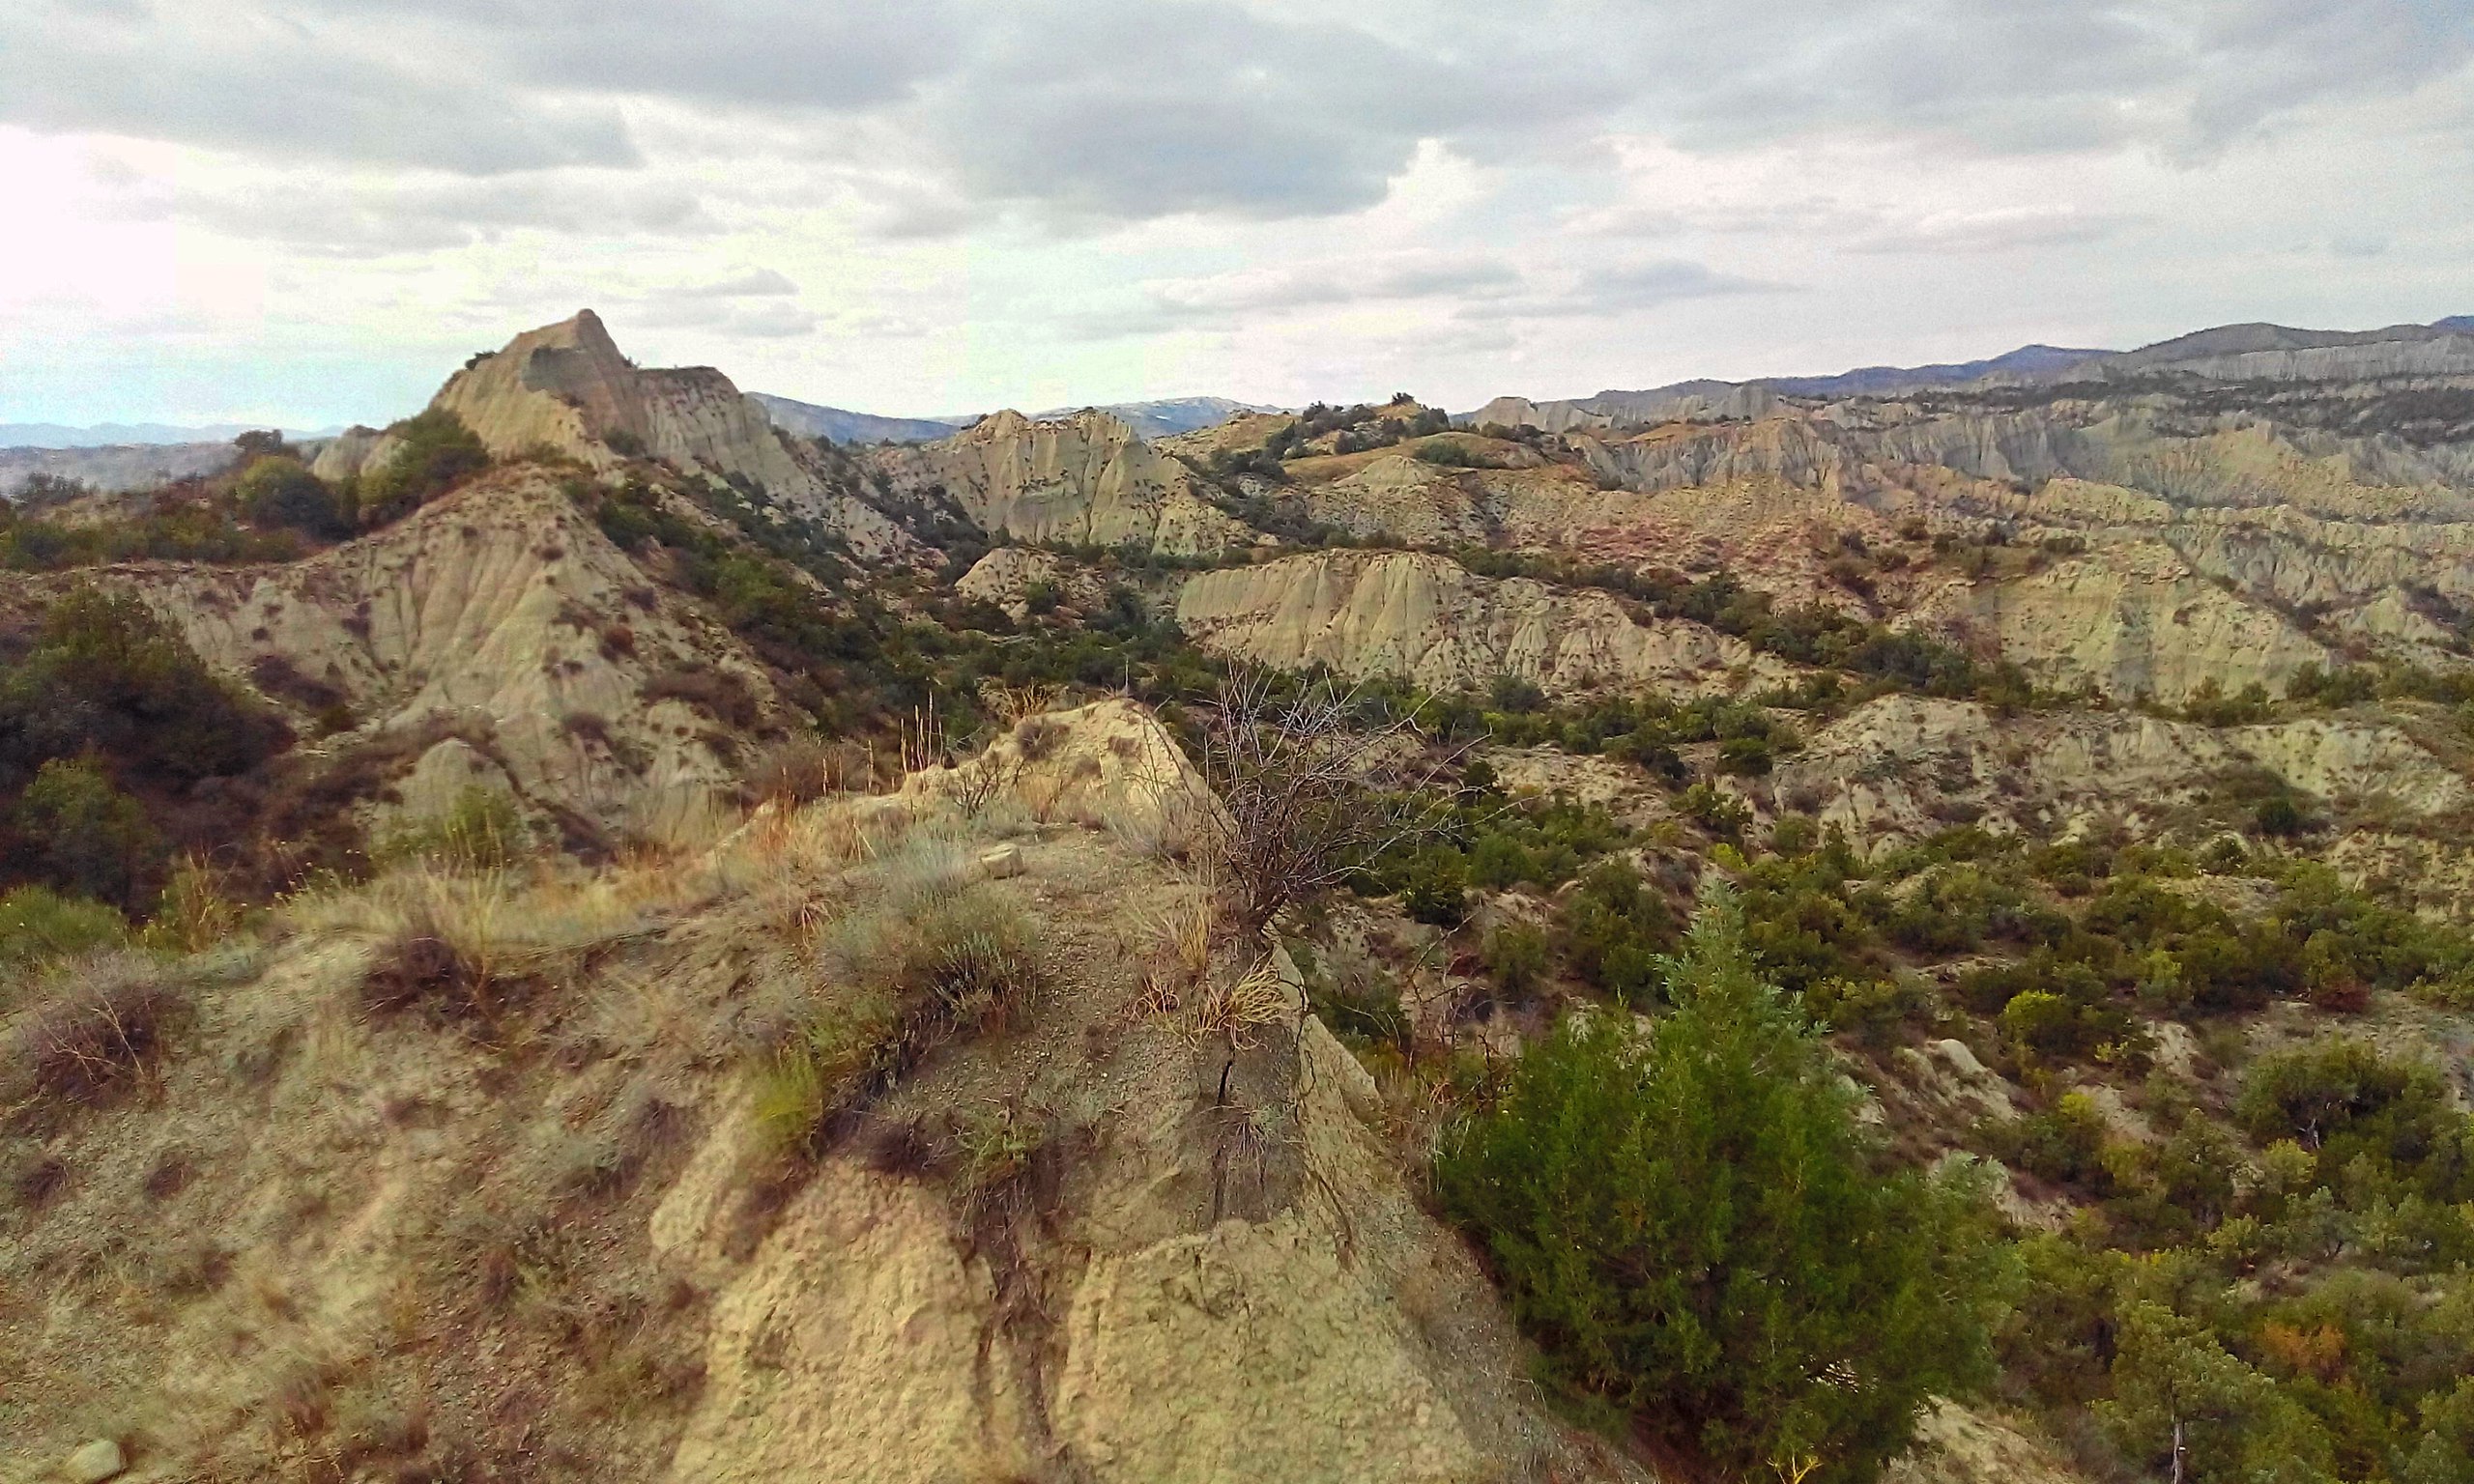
<point x="566" y="387"/>
<point x="95" y="1463"/>
<point x="1083" y="479"/>
<point x="1426" y="618"/>
<point x="460" y="612"/>
<point x="2128" y="620"/>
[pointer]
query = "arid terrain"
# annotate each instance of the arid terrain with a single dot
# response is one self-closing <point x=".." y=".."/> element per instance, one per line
<point x="596" y="933"/>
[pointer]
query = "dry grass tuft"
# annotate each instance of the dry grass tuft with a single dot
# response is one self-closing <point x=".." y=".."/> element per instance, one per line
<point x="88" y="1035"/>
<point x="421" y="968"/>
<point x="938" y="956"/>
<point x="1262" y="998"/>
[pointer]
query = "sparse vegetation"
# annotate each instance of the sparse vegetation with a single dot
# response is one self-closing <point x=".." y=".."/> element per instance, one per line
<point x="1692" y="1226"/>
<point x="431" y="452"/>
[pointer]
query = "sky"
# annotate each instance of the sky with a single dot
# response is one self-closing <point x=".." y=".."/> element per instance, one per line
<point x="308" y="212"/>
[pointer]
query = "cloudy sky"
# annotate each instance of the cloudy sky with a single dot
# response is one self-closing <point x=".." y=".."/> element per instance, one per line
<point x="308" y="211"/>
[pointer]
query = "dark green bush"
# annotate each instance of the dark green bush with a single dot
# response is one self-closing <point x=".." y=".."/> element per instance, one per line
<point x="433" y="452"/>
<point x="2344" y="1098"/>
<point x="1516" y="956"/>
<point x="279" y="494"/>
<point x="79" y="833"/>
<point x="1692" y="1226"/>
<point x="1614" y="927"/>
<point x="107" y="675"/>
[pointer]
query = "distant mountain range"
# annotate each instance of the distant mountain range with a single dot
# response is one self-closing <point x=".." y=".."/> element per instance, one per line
<point x="116" y="435"/>
<point x="2225" y="352"/>
<point x="844" y="426"/>
<point x="1157" y="418"/>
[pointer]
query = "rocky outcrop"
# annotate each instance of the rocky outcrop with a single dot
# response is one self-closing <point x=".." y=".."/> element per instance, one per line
<point x="1426" y="618"/>
<point x="1016" y="577"/>
<point x="1192" y="1260"/>
<point x="565" y="389"/>
<point x="1087" y="479"/>
<point x="502" y="628"/>
<point x="2127" y="620"/>
<point x="1904" y="766"/>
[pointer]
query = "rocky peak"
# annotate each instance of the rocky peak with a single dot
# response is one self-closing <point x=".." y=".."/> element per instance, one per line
<point x="567" y="387"/>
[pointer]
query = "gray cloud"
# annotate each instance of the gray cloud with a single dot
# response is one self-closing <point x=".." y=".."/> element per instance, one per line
<point x="772" y="320"/>
<point x="1223" y="301"/>
<point x="1095" y="111"/>
<point x="2184" y="76"/>
<point x="428" y="214"/>
<point x="1612" y="290"/>
<point x="254" y="84"/>
<point x="755" y="283"/>
<point x="2005" y="230"/>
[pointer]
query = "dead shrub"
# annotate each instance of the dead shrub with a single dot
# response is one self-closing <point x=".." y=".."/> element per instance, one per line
<point x="88" y="1034"/>
<point x="794" y="771"/>
<point x="37" y="1180"/>
<point x="1314" y="786"/>
<point x="423" y="969"/>
<point x="1237" y="1009"/>
<point x="980" y="781"/>
<point x="718" y="694"/>
<point x="1037" y="736"/>
<point x="1010" y="704"/>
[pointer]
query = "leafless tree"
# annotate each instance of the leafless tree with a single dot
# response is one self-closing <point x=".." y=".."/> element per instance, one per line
<point x="1311" y="791"/>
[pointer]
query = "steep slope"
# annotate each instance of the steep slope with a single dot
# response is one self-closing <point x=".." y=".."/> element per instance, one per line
<point x="1422" y="617"/>
<point x="1088" y="479"/>
<point x="496" y="639"/>
<point x="567" y="389"/>
<point x="558" y="1242"/>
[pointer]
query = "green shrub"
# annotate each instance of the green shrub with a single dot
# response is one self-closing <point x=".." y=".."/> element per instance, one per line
<point x="433" y="451"/>
<point x="1434" y="887"/>
<point x="79" y="833"/>
<point x="1363" y="1009"/>
<point x="482" y="830"/>
<point x="107" y="675"/>
<point x="2343" y="1099"/>
<point x="37" y="924"/>
<point x="279" y="494"/>
<point x="1690" y="1224"/>
<point x="1874" y="1009"/>
<point x="1516" y="956"/>
<point x="1614" y="927"/>
<point x="2175" y="1382"/>
<point x="1714" y="810"/>
<point x="2064" y="1144"/>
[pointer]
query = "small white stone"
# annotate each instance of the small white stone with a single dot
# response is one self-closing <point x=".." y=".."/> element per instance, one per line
<point x="1002" y="862"/>
<point x="1957" y="1054"/>
<point x="96" y="1462"/>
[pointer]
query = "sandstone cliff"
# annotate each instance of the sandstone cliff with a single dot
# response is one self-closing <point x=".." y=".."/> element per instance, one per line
<point x="1425" y="618"/>
<point x="500" y="625"/>
<point x="567" y="389"/>
<point x="1086" y="479"/>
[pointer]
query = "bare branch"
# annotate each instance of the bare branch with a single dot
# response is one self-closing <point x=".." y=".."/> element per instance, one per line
<point x="1311" y="791"/>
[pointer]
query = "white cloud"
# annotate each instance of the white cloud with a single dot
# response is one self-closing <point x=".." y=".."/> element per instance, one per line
<point x="953" y="203"/>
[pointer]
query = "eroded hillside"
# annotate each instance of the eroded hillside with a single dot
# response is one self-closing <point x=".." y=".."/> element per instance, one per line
<point x="2089" y="743"/>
